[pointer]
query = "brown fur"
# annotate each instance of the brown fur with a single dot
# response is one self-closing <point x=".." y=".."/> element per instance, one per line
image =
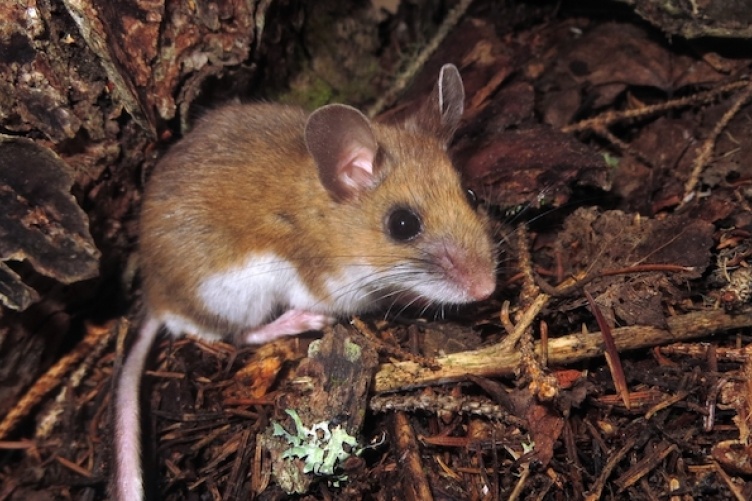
<point x="208" y="205"/>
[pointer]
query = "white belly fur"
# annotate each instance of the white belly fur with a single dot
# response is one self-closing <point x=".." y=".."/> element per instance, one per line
<point x="247" y="294"/>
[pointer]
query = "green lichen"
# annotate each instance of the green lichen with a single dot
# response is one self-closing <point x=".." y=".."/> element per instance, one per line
<point x="611" y="161"/>
<point x="322" y="448"/>
<point x="353" y="352"/>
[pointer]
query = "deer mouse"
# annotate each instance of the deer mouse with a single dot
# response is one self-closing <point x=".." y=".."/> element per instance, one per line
<point x="265" y="221"/>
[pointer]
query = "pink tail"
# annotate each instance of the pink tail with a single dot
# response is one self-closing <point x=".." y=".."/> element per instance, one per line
<point x="128" y="476"/>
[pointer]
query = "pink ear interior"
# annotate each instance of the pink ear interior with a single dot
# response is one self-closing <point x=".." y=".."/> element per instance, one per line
<point x="341" y="142"/>
<point x="356" y="167"/>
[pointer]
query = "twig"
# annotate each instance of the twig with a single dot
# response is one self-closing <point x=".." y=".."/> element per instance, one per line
<point x="610" y="117"/>
<point x="53" y="377"/>
<point x="407" y="75"/>
<point x="602" y="130"/>
<point x="532" y="300"/>
<point x="524" y="476"/>
<point x="576" y="283"/>
<point x="74" y="467"/>
<point x="496" y="360"/>
<point x="647" y="464"/>
<point x="707" y="147"/>
<point x="478" y="406"/>
<point x="738" y="494"/>
<point x="414" y="481"/>
<point x="47" y="423"/>
<point x="612" y="354"/>
<point x="542" y="385"/>
<point x="613" y="459"/>
<point x="525" y="322"/>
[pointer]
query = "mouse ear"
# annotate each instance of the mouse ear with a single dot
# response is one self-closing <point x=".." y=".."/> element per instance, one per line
<point x="441" y="114"/>
<point x="341" y="142"/>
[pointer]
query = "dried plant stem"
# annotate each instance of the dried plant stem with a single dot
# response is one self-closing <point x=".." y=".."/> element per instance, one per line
<point x="101" y="337"/>
<point x="532" y="300"/>
<point x="612" y="354"/>
<point x="614" y="458"/>
<point x="525" y="321"/>
<point x="435" y="403"/>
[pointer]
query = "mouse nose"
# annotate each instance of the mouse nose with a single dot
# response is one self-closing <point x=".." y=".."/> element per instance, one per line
<point x="473" y="273"/>
<point x="482" y="287"/>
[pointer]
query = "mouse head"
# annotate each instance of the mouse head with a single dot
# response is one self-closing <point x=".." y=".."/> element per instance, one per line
<point x="342" y="141"/>
<point x="425" y="238"/>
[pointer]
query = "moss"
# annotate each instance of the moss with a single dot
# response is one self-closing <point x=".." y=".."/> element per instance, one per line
<point x="309" y="91"/>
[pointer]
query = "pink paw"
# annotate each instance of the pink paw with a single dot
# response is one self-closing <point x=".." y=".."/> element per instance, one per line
<point x="290" y="323"/>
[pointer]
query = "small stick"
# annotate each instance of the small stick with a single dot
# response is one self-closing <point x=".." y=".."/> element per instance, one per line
<point x="49" y="419"/>
<point x="613" y="459"/>
<point x="53" y="377"/>
<point x="407" y="75"/>
<point x="610" y="117"/>
<point x="414" y="481"/>
<point x="706" y="150"/>
<point x="500" y="360"/>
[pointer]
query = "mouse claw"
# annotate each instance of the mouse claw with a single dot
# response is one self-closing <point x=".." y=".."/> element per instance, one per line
<point x="290" y="323"/>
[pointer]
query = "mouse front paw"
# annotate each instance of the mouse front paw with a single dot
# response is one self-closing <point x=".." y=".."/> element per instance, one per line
<point x="290" y="323"/>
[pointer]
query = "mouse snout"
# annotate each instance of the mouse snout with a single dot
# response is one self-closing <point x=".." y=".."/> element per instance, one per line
<point x="482" y="286"/>
<point x="472" y="272"/>
<point x="477" y="276"/>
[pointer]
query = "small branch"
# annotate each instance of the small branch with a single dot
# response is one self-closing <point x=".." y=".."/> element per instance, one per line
<point x="404" y="78"/>
<point x="414" y="481"/>
<point x="614" y="458"/>
<point x="438" y="403"/>
<point x="532" y="301"/>
<point x="497" y="361"/>
<point x="706" y="150"/>
<point x="532" y="311"/>
<point x="611" y="117"/>
<point x="95" y="336"/>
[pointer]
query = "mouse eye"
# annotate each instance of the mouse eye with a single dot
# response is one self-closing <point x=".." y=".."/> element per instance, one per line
<point x="403" y="224"/>
<point x="472" y="198"/>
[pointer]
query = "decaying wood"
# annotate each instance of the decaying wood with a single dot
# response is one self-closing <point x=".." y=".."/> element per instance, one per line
<point x="41" y="222"/>
<point x="496" y="361"/>
<point x="332" y="384"/>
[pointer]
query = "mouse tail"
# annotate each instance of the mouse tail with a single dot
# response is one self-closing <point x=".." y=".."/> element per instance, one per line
<point x="128" y="475"/>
